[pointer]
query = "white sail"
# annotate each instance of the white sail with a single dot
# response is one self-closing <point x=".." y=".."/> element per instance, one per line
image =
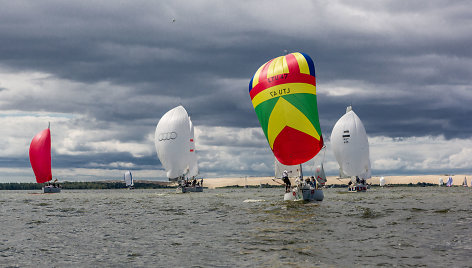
<point x="172" y="142"/>
<point x="449" y="182"/>
<point x="350" y="145"/>
<point x="441" y="182"/>
<point x="320" y="175"/>
<point x="193" y="163"/>
<point x="382" y="181"/>
<point x="293" y="171"/>
<point x="464" y="183"/>
<point x="128" y="178"/>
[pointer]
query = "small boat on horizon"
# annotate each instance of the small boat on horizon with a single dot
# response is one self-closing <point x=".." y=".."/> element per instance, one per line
<point x="464" y="183"/>
<point x="449" y="182"/>
<point x="128" y="178"/>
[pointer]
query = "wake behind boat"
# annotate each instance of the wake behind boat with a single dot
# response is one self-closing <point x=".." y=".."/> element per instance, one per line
<point x="40" y="159"/>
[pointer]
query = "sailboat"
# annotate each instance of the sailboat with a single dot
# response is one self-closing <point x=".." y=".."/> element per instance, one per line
<point x="283" y="93"/>
<point x="449" y="182"/>
<point x="464" y="183"/>
<point x="40" y="159"/>
<point x="175" y="146"/>
<point x="128" y="178"/>
<point x="382" y="181"/>
<point x="441" y="182"/>
<point x="351" y="149"/>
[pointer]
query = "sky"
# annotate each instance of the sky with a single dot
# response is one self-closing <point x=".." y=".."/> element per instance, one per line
<point x="104" y="72"/>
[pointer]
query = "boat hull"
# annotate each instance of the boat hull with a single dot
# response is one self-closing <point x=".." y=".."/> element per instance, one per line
<point x="310" y="194"/>
<point x="358" y="188"/>
<point x="50" y="189"/>
<point x="189" y="189"/>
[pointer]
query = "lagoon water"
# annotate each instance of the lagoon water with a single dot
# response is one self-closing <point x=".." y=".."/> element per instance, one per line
<point x="398" y="226"/>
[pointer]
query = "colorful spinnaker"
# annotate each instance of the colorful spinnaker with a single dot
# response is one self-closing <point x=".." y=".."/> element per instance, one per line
<point x="40" y="156"/>
<point x="283" y="93"/>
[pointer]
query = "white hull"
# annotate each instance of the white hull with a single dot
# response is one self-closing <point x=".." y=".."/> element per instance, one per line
<point x="50" y="189"/>
<point x="308" y="194"/>
<point x="188" y="189"/>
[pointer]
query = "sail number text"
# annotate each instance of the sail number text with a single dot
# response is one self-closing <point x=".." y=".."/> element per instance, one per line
<point x="277" y="77"/>
<point x="280" y="92"/>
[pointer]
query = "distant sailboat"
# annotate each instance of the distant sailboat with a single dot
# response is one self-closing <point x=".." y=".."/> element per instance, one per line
<point x="351" y="148"/>
<point x="382" y="181"/>
<point x="175" y="148"/>
<point x="128" y="178"/>
<point x="40" y="159"/>
<point x="320" y="175"/>
<point x="441" y="182"/>
<point x="464" y="183"/>
<point x="449" y="182"/>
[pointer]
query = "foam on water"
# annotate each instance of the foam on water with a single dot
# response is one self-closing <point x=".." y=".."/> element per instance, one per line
<point x="253" y="200"/>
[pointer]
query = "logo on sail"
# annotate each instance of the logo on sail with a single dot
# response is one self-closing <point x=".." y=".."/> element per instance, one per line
<point x="167" y="136"/>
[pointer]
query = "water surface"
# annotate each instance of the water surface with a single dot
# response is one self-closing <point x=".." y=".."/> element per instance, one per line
<point x="236" y="228"/>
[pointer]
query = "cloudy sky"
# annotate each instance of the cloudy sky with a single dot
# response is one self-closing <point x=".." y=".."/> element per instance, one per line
<point x="104" y="72"/>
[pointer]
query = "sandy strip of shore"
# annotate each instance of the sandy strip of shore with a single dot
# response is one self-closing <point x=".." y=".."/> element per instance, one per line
<point x="256" y="181"/>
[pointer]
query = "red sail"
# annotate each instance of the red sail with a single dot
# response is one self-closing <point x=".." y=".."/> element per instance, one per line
<point x="40" y="156"/>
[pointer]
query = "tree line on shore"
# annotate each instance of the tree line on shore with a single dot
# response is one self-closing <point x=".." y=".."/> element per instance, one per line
<point x="81" y="185"/>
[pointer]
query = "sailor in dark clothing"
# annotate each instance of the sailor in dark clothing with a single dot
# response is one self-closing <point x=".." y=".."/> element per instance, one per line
<point x="286" y="180"/>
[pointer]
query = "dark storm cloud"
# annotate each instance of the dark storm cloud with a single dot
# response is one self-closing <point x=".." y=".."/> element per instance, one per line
<point x="407" y="65"/>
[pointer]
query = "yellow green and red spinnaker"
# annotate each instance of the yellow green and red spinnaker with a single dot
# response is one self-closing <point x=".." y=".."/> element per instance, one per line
<point x="283" y="93"/>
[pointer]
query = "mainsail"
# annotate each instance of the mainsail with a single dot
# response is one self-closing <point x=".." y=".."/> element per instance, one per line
<point x="172" y="141"/>
<point x="292" y="171"/>
<point x="283" y="93"/>
<point x="40" y="156"/>
<point x="128" y="177"/>
<point x="350" y="145"/>
<point x="320" y="175"/>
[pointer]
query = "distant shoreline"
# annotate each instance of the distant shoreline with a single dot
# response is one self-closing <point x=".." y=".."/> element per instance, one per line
<point x="213" y="183"/>
<point x="333" y="180"/>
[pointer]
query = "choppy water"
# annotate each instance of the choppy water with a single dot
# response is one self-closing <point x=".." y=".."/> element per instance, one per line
<point x="236" y="228"/>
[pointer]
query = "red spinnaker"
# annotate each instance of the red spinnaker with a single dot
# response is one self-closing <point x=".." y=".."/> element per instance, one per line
<point x="40" y="156"/>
